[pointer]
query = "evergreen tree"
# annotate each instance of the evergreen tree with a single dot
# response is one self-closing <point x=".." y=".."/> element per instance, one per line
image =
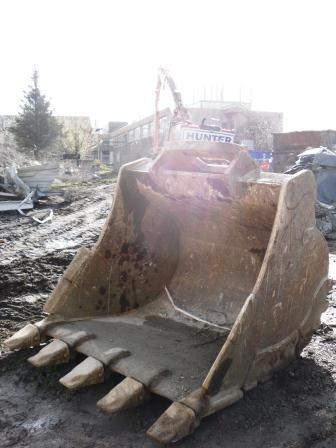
<point x="35" y="127"/>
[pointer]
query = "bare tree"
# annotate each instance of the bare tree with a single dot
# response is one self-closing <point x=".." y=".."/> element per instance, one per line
<point x="76" y="139"/>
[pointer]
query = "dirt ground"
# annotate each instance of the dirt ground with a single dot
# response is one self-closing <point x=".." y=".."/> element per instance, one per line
<point x="296" y="409"/>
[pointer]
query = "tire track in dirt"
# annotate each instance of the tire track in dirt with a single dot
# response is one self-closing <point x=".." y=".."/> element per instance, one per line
<point x="33" y="257"/>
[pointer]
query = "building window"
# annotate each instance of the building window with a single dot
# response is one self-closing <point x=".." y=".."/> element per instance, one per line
<point x="131" y="136"/>
<point x="163" y="125"/>
<point x="106" y="156"/>
<point x="145" y="132"/>
<point x="137" y="133"/>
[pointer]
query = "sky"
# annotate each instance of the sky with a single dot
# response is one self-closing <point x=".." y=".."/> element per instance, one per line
<point x="100" y="57"/>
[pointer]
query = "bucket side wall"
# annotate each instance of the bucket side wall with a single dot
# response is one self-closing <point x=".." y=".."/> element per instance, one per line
<point x="130" y="264"/>
<point x="287" y="290"/>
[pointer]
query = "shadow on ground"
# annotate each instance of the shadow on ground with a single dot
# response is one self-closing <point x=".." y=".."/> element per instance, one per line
<point x="296" y="409"/>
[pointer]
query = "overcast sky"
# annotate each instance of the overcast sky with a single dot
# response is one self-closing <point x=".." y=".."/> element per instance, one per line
<point x="99" y="57"/>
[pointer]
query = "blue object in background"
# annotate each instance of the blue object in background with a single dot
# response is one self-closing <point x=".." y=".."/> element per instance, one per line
<point x="264" y="158"/>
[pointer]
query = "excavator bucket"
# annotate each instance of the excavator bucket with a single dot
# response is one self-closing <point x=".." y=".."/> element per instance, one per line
<point x="208" y="276"/>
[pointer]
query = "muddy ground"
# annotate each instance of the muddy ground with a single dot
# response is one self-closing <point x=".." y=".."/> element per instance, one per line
<point x="296" y="409"/>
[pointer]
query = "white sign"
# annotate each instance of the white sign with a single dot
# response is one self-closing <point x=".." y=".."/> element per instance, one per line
<point x="200" y="135"/>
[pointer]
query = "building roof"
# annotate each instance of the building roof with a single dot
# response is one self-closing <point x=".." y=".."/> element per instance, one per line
<point x="163" y="113"/>
<point x="303" y="132"/>
<point x="222" y="105"/>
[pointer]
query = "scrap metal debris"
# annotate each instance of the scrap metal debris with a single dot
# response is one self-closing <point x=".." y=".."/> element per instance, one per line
<point x="24" y="187"/>
<point x="322" y="162"/>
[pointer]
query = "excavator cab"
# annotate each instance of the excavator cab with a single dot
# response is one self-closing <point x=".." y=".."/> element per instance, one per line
<point x="211" y="125"/>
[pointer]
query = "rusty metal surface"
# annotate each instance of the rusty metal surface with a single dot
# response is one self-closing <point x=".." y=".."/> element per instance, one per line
<point x="207" y="277"/>
<point x="169" y="356"/>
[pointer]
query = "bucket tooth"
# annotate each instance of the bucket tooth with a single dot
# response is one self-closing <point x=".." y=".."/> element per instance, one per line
<point x="176" y="422"/>
<point x="127" y="394"/>
<point x="57" y="352"/>
<point x="28" y="336"/>
<point x="87" y="373"/>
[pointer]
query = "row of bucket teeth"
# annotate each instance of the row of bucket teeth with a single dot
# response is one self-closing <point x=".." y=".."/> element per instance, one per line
<point x="175" y="423"/>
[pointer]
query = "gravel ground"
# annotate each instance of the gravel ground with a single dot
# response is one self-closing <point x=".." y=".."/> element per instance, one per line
<point x="296" y="409"/>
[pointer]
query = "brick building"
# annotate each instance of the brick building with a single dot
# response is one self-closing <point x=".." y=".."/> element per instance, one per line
<point x="253" y="129"/>
<point x="130" y="142"/>
<point x="287" y="145"/>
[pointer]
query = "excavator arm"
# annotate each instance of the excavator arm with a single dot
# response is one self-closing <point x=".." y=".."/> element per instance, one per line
<point x="181" y="114"/>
